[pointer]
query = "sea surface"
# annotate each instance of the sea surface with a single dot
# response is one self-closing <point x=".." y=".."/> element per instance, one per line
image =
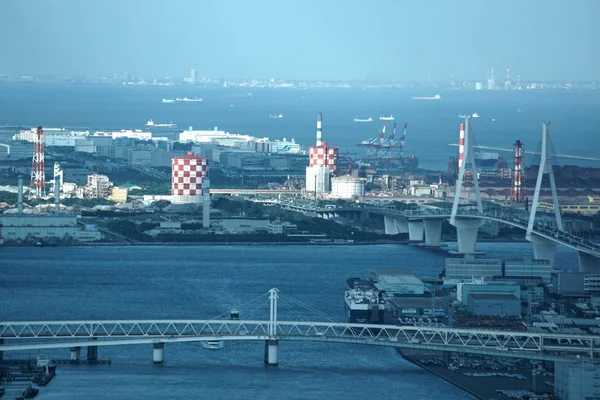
<point x="432" y="125"/>
<point x="74" y="283"/>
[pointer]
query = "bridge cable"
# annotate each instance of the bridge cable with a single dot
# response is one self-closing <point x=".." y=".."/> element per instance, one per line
<point x="307" y="307"/>
<point x="255" y="300"/>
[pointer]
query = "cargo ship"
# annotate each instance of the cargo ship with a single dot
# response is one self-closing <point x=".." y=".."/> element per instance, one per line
<point x="390" y="118"/>
<point x="168" y="101"/>
<point x="363" y="119"/>
<point x="436" y="97"/>
<point x="152" y="124"/>
<point x="187" y="100"/>
<point x="364" y="304"/>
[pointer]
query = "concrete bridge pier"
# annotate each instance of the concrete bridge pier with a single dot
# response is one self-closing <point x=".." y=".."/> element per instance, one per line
<point x="463" y="359"/>
<point x="158" y="355"/>
<point x="588" y="263"/>
<point x="543" y="249"/>
<point x="416" y="230"/>
<point x="466" y="234"/>
<point x="75" y="353"/>
<point x="271" y="352"/>
<point x="537" y="378"/>
<point x="390" y="225"/>
<point x="447" y="357"/>
<point x="92" y="353"/>
<point x="433" y="232"/>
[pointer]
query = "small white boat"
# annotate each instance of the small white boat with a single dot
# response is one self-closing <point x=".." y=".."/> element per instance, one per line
<point x="462" y="116"/>
<point x="475" y="115"/>
<point x="390" y="118"/>
<point x="213" y="345"/>
<point x="168" y="101"/>
<point x="276" y="116"/>
<point x="363" y="119"/>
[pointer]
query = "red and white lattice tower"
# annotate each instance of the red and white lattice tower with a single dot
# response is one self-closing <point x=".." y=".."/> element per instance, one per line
<point x="517" y="188"/>
<point x="188" y="175"/>
<point x="38" y="180"/>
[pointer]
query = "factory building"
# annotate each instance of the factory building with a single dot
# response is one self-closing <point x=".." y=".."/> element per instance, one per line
<point x="493" y="305"/>
<point x="322" y="163"/>
<point x="464" y="290"/>
<point x="98" y="187"/>
<point x="19" y="227"/>
<point x="317" y="179"/>
<point x="576" y="380"/>
<point x="347" y="187"/>
<point x="470" y="267"/>
<point x="419" y="306"/>
<point x="528" y="266"/>
<point x="576" y="283"/>
<point x="188" y="175"/>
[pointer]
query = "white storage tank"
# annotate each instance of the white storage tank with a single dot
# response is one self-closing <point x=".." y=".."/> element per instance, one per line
<point x="346" y="187"/>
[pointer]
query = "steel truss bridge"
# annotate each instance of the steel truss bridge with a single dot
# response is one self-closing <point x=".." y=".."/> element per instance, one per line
<point x="22" y="336"/>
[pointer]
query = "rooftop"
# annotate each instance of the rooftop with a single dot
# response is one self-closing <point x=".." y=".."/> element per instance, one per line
<point x="489" y="296"/>
<point x="399" y="279"/>
<point x="418" y="302"/>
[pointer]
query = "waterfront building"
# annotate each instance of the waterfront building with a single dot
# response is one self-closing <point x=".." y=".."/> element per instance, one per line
<point x="19" y="227"/>
<point x="528" y="266"/>
<point x="470" y="267"/>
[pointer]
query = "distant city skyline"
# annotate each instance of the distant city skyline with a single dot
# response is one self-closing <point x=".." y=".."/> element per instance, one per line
<point x="308" y="39"/>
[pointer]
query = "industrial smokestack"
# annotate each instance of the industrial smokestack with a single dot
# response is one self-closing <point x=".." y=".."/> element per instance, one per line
<point x="206" y="204"/>
<point x="20" y="201"/>
<point x="319" y="128"/>
<point x="56" y="195"/>
<point x="461" y="146"/>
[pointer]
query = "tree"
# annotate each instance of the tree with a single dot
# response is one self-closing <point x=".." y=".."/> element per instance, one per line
<point x="160" y="204"/>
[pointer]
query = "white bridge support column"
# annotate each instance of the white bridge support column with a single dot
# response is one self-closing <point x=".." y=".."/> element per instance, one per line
<point x="588" y="263"/>
<point x="433" y="232"/>
<point x="466" y="234"/>
<point x="271" y="352"/>
<point x="416" y="230"/>
<point x="543" y="249"/>
<point x="390" y="225"/>
<point x="75" y="353"/>
<point x="158" y="355"/>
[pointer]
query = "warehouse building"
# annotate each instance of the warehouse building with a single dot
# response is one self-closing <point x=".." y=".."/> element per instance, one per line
<point x="493" y="305"/>
<point x="576" y="380"/>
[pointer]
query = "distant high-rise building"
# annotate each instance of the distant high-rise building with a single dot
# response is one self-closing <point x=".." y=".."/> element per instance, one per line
<point x="507" y="81"/>
<point x="490" y="83"/>
<point x="192" y="75"/>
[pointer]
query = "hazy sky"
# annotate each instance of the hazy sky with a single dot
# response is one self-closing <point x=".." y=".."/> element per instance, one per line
<point x="345" y="39"/>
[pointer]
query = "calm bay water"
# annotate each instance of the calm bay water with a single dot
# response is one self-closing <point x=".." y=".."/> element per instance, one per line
<point x="56" y="283"/>
<point x="432" y="125"/>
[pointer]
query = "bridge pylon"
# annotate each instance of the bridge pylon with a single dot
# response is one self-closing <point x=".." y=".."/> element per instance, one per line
<point x="544" y="248"/>
<point x="272" y="344"/>
<point x="466" y="229"/>
<point x="545" y="169"/>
